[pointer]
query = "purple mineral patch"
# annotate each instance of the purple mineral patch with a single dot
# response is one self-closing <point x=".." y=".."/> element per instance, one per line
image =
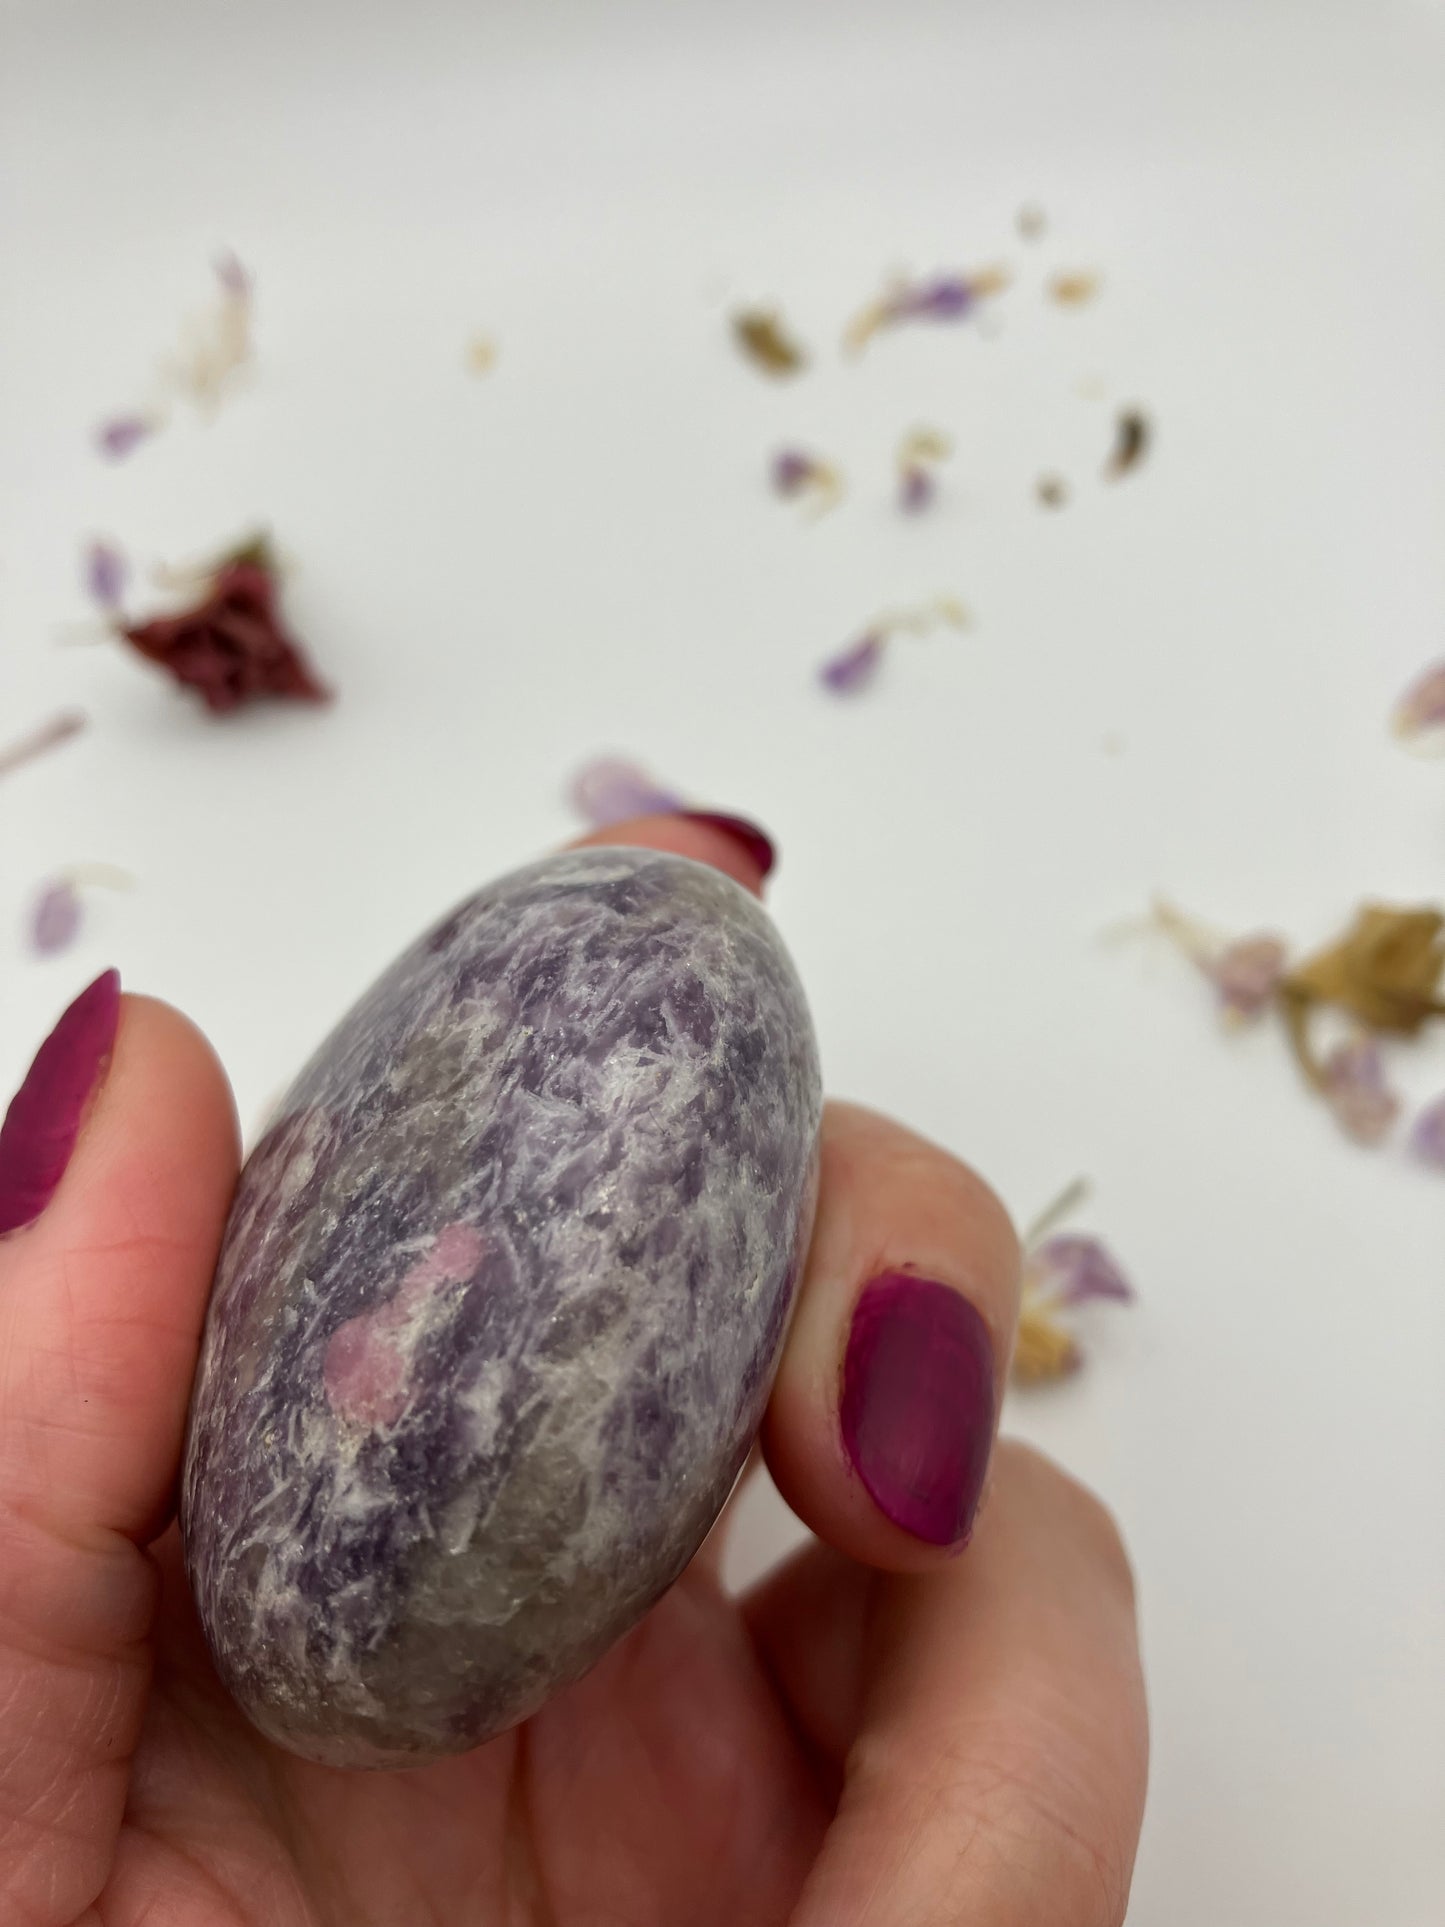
<point x="499" y="1305"/>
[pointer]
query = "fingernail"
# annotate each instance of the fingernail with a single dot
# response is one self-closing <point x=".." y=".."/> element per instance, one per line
<point x="755" y="842"/>
<point x="918" y="1404"/>
<point x="45" y="1114"/>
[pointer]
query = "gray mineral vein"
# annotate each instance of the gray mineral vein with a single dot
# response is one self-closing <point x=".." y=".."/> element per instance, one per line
<point x="498" y="1307"/>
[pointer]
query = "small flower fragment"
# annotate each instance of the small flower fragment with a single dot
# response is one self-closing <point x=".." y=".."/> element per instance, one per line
<point x="121" y="435"/>
<point x="1427" y="1135"/>
<point x="763" y="338"/>
<point x="797" y="474"/>
<point x="610" y="790"/>
<point x="231" y="647"/>
<point x="1061" y="1271"/>
<point x="39" y="742"/>
<point x="1073" y="290"/>
<point x="855" y="666"/>
<point x="919" y="455"/>
<point x="943" y="297"/>
<point x="1246" y="972"/>
<point x="1420" y="713"/>
<point x="1352" y="1083"/>
<point x="1052" y="491"/>
<point x="1387" y="971"/>
<point x="1132" y="436"/>
<point x="57" y="913"/>
<point x="106" y="573"/>
<point x="481" y="355"/>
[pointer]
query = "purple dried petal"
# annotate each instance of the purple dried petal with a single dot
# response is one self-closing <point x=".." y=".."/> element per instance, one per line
<point x="946" y="298"/>
<point x="1247" y="974"/>
<point x="854" y="667"/>
<point x="792" y="470"/>
<point x="1422" y="707"/>
<point x="1353" y="1082"/>
<point x="106" y="570"/>
<point x="1427" y="1135"/>
<point x="610" y="790"/>
<point x="1074" y="1269"/>
<point x="233" y="275"/>
<point x="917" y="488"/>
<point x="117" y="437"/>
<point x="55" y="919"/>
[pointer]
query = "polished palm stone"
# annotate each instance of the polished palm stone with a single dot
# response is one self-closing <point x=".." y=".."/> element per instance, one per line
<point x="500" y="1299"/>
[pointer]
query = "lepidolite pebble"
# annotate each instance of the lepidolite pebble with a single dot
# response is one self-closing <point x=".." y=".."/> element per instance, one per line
<point x="498" y="1307"/>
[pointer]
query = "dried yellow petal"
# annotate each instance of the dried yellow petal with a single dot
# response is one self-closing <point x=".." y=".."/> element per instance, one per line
<point x="760" y="333"/>
<point x="1044" y="1350"/>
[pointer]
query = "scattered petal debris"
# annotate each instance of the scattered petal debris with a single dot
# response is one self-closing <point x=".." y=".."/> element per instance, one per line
<point x="1075" y="289"/>
<point x="765" y="340"/>
<point x="1246" y="972"/>
<point x="1352" y="1083"/>
<point x="853" y="668"/>
<point x="57" y="913"/>
<point x="1420" y="713"/>
<point x="481" y="355"/>
<point x="214" y="349"/>
<point x="1061" y="1271"/>
<point x="919" y="455"/>
<point x="106" y="573"/>
<point x="38" y="742"/>
<point x="1132" y="436"/>
<point x="231" y="646"/>
<point x="942" y="297"/>
<point x="1031" y="221"/>
<point x="121" y="435"/>
<point x="796" y="473"/>
<point x="611" y="790"/>
<point x="55" y="917"/>
<point x="1386" y="972"/>
<point x="1427" y="1134"/>
<point x="1052" y="491"/>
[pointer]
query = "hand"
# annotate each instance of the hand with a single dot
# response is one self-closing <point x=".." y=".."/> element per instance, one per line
<point x="885" y="1731"/>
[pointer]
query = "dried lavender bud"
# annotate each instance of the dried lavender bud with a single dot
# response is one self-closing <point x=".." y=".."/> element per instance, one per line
<point x="1427" y="1135"/>
<point x="797" y="473"/>
<point x="1352" y="1082"/>
<point x="1420" y="712"/>
<point x="123" y="434"/>
<point x="106" y="572"/>
<point x="1071" y="1269"/>
<point x="1247" y="975"/>
<point x="943" y="297"/>
<point x="498" y="1307"/>
<point x="55" y="918"/>
<point x="609" y="790"/>
<point x="853" y="668"/>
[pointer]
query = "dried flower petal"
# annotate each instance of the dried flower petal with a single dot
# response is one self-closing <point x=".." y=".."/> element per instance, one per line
<point x="1387" y="970"/>
<point x="919" y="453"/>
<point x="1074" y="289"/>
<point x="943" y="297"/>
<point x="797" y="473"/>
<point x="106" y="571"/>
<point x="232" y="647"/>
<point x="40" y="741"/>
<point x="1071" y="1269"/>
<point x="1420" y="712"/>
<point x="214" y="346"/>
<point x="1052" y="491"/>
<point x="1044" y="1350"/>
<point x="1132" y="436"/>
<point x="122" y="434"/>
<point x="233" y="275"/>
<point x="916" y="489"/>
<point x="481" y="355"/>
<point x="55" y="918"/>
<point x="1427" y="1134"/>
<point x="1247" y="973"/>
<point x="761" y="335"/>
<point x="853" y="668"/>
<point x="1352" y="1082"/>
<point x="610" y="790"/>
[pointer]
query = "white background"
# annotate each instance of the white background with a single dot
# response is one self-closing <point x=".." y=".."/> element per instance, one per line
<point x="1179" y="683"/>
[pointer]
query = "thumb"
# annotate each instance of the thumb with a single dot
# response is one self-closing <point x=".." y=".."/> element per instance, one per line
<point x="117" y="1161"/>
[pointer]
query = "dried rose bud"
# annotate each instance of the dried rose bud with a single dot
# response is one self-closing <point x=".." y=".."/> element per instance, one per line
<point x="1352" y="1082"/>
<point x="1427" y="1135"/>
<point x="610" y="790"/>
<point x="853" y="668"/>
<point x="1420" y="712"/>
<point x="232" y="647"/>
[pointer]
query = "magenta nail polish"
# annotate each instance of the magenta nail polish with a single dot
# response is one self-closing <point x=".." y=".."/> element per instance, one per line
<point x="757" y="843"/>
<point x="918" y="1404"/>
<point x="45" y="1114"/>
